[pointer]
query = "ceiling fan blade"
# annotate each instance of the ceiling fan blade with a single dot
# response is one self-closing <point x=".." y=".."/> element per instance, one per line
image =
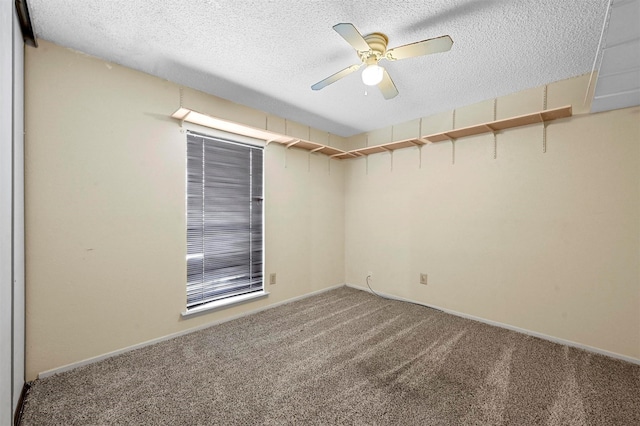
<point x="420" y="48"/>
<point x="335" y="77"/>
<point x="387" y="87"/>
<point x="352" y="36"/>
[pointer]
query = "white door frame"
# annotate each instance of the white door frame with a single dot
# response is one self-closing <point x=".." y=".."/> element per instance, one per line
<point x="11" y="213"/>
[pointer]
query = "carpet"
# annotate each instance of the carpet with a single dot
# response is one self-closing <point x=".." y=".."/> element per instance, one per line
<point x="344" y="357"/>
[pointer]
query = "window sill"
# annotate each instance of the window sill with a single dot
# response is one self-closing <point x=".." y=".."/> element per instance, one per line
<point x="224" y="303"/>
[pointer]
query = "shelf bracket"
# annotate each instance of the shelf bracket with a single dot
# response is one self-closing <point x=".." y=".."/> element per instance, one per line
<point x="453" y="151"/>
<point x="495" y="145"/>
<point x="318" y="149"/>
<point x="495" y="136"/>
<point x="289" y="145"/>
<point x="186" y="115"/>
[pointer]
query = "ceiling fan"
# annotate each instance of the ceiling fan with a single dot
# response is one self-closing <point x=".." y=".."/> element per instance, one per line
<point x="372" y="48"/>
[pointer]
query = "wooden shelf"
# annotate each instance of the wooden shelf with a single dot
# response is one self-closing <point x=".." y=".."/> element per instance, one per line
<point x="184" y="114"/>
<point x="387" y="147"/>
<point x="507" y="123"/>
<point x="190" y="116"/>
<point x="312" y="146"/>
<point x="490" y="127"/>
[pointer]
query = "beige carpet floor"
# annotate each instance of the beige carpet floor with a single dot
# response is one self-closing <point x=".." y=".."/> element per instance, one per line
<point x="344" y="357"/>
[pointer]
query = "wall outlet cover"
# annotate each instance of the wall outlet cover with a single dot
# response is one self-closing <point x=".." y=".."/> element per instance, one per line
<point x="423" y="279"/>
<point x="272" y="278"/>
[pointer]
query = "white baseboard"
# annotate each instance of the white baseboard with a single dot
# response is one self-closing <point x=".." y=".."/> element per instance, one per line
<point x="507" y="326"/>
<point x="88" y="361"/>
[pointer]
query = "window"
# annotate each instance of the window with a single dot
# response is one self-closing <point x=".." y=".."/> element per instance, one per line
<point x="224" y="219"/>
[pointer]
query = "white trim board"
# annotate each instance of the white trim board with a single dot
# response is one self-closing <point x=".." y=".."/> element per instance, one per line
<point x="98" y="358"/>
<point x="507" y="326"/>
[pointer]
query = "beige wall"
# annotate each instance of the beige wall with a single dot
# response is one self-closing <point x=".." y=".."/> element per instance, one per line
<point x="105" y="209"/>
<point x="548" y="242"/>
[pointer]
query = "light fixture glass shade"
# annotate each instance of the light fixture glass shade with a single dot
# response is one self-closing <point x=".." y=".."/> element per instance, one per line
<point x="372" y="74"/>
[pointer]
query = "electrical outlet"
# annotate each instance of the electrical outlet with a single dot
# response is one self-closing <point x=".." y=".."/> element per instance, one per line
<point x="423" y="279"/>
<point x="272" y="278"/>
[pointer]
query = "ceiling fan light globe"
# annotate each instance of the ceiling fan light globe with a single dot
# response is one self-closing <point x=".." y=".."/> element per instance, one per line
<point x="372" y="75"/>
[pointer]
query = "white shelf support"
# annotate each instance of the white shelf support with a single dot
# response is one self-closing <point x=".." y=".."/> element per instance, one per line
<point x="495" y="136"/>
<point x="453" y="151"/>
<point x="289" y="145"/>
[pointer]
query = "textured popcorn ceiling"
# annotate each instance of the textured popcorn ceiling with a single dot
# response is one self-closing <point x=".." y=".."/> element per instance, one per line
<point x="267" y="54"/>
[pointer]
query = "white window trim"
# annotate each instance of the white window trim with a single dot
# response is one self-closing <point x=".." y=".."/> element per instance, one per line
<point x="220" y="304"/>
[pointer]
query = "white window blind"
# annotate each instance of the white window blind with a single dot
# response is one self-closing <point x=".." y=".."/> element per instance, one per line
<point x="224" y="219"/>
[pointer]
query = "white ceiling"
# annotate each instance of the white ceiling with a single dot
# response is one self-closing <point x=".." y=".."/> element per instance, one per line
<point x="267" y="54"/>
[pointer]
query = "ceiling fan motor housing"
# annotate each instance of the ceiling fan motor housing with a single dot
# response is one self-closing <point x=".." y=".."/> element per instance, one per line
<point x="378" y="44"/>
<point x="373" y="47"/>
